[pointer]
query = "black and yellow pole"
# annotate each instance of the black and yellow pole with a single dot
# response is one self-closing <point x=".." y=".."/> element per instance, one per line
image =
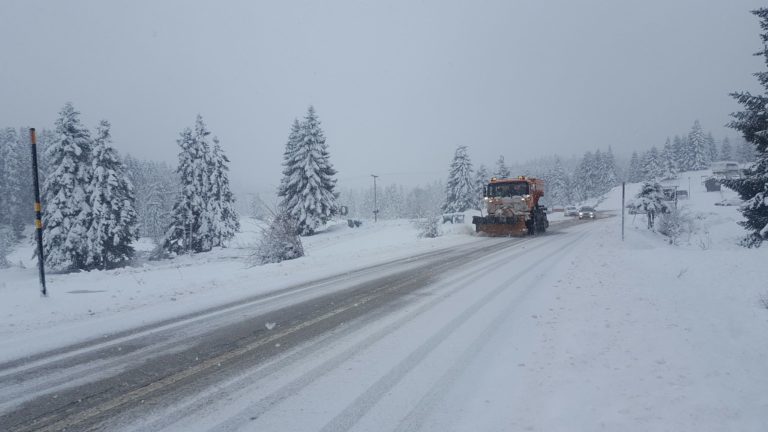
<point x="38" y="213"/>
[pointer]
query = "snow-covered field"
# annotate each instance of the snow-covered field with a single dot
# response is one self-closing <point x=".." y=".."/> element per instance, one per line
<point x="608" y="335"/>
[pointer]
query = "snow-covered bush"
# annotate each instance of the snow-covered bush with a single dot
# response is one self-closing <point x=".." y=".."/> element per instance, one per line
<point x="674" y="224"/>
<point x="651" y="201"/>
<point x="429" y="227"/>
<point x="280" y="241"/>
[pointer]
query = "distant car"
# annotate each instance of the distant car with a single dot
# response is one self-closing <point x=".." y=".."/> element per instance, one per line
<point x="587" y="213"/>
<point x="571" y="211"/>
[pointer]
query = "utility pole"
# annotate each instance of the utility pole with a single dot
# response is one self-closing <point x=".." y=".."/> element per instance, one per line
<point x="38" y="213"/>
<point x="375" y="204"/>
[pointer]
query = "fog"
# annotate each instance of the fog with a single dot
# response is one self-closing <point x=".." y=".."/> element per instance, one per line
<point x="397" y="84"/>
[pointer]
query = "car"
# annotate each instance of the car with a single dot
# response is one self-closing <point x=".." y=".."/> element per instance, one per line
<point x="571" y="211"/>
<point x="587" y="213"/>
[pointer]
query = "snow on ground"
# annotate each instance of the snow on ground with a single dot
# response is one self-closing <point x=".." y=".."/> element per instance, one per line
<point x="578" y="331"/>
<point x="635" y="335"/>
<point x="90" y="304"/>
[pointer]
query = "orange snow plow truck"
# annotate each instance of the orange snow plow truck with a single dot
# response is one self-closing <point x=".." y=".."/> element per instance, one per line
<point x="512" y="207"/>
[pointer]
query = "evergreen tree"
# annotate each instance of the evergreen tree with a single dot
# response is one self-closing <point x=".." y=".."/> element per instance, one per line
<point x="460" y="190"/>
<point x="481" y="181"/>
<point x="680" y="150"/>
<point x="711" y="146"/>
<point x="607" y="171"/>
<point x="111" y="199"/>
<point x="669" y="166"/>
<point x="558" y="188"/>
<point x="697" y="148"/>
<point x="221" y="201"/>
<point x="635" y="173"/>
<point x="502" y="171"/>
<point x="726" y="153"/>
<point x="653" y="167"/>
<point x="15" y="192"/>
<point x="67" y="215"/>
<point x="584" y="177"/>
<point x="745" y="152"/>
<point x="651" y="201"/>
<point x="752" y="122"/>
<point x="191" y="225"/>
<point x="307" y="188"/>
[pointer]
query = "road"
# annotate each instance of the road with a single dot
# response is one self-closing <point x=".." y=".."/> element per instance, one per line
<point x="391" y="347"/>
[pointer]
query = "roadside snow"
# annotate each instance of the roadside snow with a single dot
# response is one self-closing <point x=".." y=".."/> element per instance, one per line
<point x="91" y="304"/>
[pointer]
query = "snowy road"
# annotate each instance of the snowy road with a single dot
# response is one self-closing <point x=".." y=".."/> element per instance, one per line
<point x="402" y="346"/>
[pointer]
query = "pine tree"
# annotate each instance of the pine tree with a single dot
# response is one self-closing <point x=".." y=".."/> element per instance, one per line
<point x="753" y="124"/>
<point x="460" y="190"/>
<point x="190" y="229"/>
<point x="651" y="201"/>
<point x="15" y="192"/>
<point x="307" y="188"/>
<point x="652" y="165"/>
<point x="680" y="150"/>
<point x="607" y="172"/>
<point x="669" y="166"/>
<point x="66" y="213"/>
<point x="111" y="199"/>
<point x="481" y="181"/>
<point x="635" y="173"/>
<point x="726" y="152"/>
<point x="745" y="152"/>
<point x="502" y="171"/>
<point x="558" y="188"/>
<point x="221" y="201"/>
<point x="711" y="146"/>
<point x="697" y="148"/>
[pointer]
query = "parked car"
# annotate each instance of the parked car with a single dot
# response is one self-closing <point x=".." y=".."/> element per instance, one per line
<point x="571" y="211"/>
<point x="587" y="213"/>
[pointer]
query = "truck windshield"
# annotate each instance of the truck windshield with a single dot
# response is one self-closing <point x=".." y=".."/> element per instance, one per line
<point x="507" y="189"/>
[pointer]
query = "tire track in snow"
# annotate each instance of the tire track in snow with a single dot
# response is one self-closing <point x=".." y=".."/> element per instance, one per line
<point x="414" y="420"/>
<point x="345" y="420"/>
<point x="266" y="403"/>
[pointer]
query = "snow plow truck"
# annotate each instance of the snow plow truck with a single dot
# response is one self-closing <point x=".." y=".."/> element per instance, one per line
<point x="512" y="207"/>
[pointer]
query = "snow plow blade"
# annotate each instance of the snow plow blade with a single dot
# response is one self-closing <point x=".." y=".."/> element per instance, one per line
<point x="500" y="226"/>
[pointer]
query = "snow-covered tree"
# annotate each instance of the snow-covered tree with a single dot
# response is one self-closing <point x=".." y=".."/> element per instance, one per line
<point x="652" y="165"/>
<point x="697" y="152"/>
<point x="635" y="172"/>
<point x="220" y="201"/>
<point x="584" y="178"/>
<point x="190" y="229"/>
<point x="651" y="201"/>
<point x="502" y="171"/>
<point x="711" y="146"/>
<point x="280" y="241"/>
<point x="606" y="172"/>
<point x="460" y="189"/>
<point x="15" y="196"/>
<point x="156" y="188"/>
<point x="752" y="122"/>
<point x="668" y="163"/>
<point x="481" y="181"/>
<point x="557" y="185"/>
<point x="726" y="152"/>
<point x="307" y="189"/>
<point x="66" y="212"/>
<point x="110" y="195"/>
<point x="745" y="152"/>
<point x="680" y="150"/>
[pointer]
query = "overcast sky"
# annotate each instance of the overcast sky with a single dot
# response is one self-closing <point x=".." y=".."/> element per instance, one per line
<point x="397" y="84"/>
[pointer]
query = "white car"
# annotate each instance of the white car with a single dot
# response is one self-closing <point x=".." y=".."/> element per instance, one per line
<point x="571" y="211"/>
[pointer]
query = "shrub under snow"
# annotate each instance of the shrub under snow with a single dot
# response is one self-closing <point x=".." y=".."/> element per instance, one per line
<point x="280" y="241"/>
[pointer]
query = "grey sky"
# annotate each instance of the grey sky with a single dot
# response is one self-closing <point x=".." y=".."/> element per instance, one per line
<point x="397" y="84"/>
